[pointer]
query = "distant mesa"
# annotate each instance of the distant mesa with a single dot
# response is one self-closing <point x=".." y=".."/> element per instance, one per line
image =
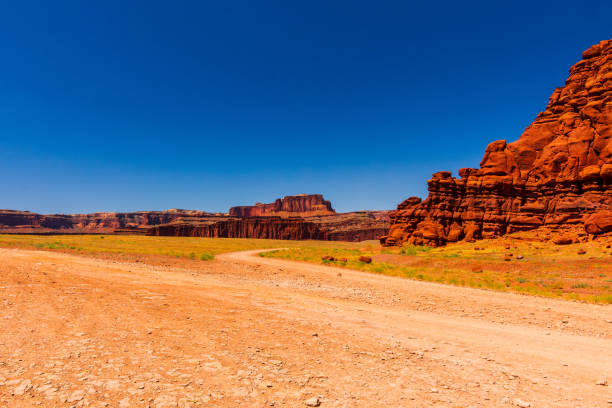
<point x="353" y="226"/>
<point x="556" y="179"/>
<point x="302" y="205"/>
<point x="297" y="217"/>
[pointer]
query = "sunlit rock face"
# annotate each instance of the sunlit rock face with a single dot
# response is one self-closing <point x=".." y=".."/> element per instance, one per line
<point x="302" y="205"/>
<point x="557" y="176"/>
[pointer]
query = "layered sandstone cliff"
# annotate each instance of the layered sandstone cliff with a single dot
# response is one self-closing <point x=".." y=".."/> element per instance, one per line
<point x="101" y="222"/>
<point x="293" y="217"/>
<point x="557" y="175"/>
<point x="301" y="205"/>
<point x="353" y="226"/>
<point x="251" y="227"/>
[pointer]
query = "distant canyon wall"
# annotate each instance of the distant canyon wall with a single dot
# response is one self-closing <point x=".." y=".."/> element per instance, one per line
<point x="252" y="227"/>
<point x="103" y="222"/>
<point x="293" y="217"/>
<point x="358" y="226"/>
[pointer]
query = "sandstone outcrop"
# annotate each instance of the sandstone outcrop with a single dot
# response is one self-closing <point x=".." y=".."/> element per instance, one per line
<point x="598" y="223"/>
<point x="301" y="205"/>
<point x="556" y="176"/>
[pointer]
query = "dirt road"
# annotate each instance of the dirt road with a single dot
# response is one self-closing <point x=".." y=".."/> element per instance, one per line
<point x="246" y="331"/>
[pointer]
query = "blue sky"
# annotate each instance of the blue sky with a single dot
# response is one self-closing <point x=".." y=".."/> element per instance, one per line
<point x="143" y="105"/>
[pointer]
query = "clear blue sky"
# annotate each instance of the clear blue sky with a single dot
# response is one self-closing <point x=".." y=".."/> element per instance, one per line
<point x="137" y="105"/>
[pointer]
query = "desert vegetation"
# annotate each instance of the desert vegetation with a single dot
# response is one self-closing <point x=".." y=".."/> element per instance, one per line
<point x="150" y="248"/>
<point x="577" y="272"/>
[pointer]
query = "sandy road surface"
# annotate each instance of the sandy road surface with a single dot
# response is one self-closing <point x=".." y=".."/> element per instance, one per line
<point x="257" y="332"/>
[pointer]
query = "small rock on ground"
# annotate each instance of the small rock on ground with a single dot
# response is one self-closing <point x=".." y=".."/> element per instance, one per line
<point x="312" y="402"/>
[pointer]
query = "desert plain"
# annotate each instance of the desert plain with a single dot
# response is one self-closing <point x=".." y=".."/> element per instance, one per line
<point x="135" y="321"/>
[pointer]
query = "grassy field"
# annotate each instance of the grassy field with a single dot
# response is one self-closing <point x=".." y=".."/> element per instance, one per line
<point x="156" y="247"/>
<point x="578" y="272"/>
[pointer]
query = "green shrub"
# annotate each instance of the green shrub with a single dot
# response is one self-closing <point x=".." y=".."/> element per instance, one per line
<point x="581" y="286"/>
<point x="414" y="249"/>
<point x="207" y="257"/>
<point x="556" y="285"/>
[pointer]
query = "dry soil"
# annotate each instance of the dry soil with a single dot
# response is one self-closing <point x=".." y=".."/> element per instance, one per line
<point x="246" y="331"/>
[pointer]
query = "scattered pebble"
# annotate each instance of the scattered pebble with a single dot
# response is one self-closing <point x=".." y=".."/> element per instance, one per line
<point x="22" y="388"/>
<point x="312" y="402"/>
<point x="76" y="396"/>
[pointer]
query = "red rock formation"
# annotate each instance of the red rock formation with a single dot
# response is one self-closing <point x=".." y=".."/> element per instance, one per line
<point x="354" y="226"/>
<point x="557" y="175"/>
<point x="357" y="226"/>
<point x="104" y="222"/>
<point x="301" y="205"/>
<point x="318" y="221"/>
<point x="253" y="227"/>
<point x="598" y="223"/>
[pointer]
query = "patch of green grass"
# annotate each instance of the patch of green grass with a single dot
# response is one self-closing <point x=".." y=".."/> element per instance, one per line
<point x="601" y="299"/>
<point x="414" y="249"/>
<point x="556" y="285"/>
<point x="206" y="257"/>
<point x="175" y="247"/>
